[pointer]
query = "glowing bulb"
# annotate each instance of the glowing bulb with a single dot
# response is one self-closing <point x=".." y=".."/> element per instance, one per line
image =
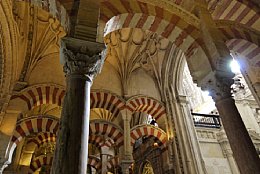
<point x="235" y="68"/>
<point x="155" y="144"/>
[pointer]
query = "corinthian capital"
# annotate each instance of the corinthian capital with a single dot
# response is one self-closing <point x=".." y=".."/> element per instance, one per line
<point x="81" y="57"/>
<point x="218" y="85"/>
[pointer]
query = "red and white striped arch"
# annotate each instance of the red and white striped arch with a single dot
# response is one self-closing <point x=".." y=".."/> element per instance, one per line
<point x="108" y="101"/>
<point x="42" y="138"/>
<point x="147" y="105"/>
<point x="29" y="126"/>
<point x="94" y="162"/>
<point x="108" y="130"/>
<point x="41" y="94"/>
<point x="239" y="11"/>
<point x="148" y="130"/>
<point x="100" y="141"/>
<point x="247" y="49"/>
<point x="233" y="31"/>
<point x="186" y="38"/>
<point x="39" y="162"/>
<point x="242" y="40"/>
<point x="162" y="10"/>
<point x="112" y="163"/>
<point x="164" y="18"/>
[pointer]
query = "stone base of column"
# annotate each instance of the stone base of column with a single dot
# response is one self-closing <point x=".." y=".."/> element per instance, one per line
<point x="125" y="164"/>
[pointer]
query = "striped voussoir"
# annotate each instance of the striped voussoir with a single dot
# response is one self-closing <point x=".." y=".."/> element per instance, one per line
<point x="41" y="94"/>
<point x="108" y="101"/>
<point x="108" y="130"/>
<point x="33" y="125"/>
<point x="94" y="162"/>
<point x="238" y="32"/>
<point x="242" y="40"/>
<point x="247" y="49"/>
<point x="43" y="138"/>
<point x="239" y="11"/>
<point x="167" y="22"/>
<point x="146" y="105"/>
<point x="112" y="163"/>
<point x="187" y="38"/>
<point x="163" y="10"/>
<point x="100" y="141"/>
<point x="39" y="162"/>
<point x="148" y="130"/>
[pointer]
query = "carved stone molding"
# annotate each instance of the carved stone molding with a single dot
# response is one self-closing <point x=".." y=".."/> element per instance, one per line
<point x="81" y="57"/>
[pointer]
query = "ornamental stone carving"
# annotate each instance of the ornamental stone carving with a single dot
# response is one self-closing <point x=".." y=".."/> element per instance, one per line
<point x="219" y="86"/>
<point x="81" y="57"/>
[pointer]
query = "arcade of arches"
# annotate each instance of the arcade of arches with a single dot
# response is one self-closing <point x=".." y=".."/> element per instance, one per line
<point x="109" y="86"/>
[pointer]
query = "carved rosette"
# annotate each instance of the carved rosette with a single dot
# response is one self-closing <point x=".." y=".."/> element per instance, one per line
<point x="81" y="60"/>
<point x="219" y="87"/>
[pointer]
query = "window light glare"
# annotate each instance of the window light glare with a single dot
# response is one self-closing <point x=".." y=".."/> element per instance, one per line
<point x="235" y="68"/>
<point x="205" y="93"/>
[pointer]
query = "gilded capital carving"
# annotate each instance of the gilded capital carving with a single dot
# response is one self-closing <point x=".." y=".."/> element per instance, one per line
<point x="82" y="57"/>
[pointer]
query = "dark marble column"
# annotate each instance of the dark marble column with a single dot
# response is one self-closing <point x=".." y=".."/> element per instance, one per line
<point x="241" y="144"/>
<point x="82" y="61"/>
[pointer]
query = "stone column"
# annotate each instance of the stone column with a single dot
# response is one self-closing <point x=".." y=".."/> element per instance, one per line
<point x="82" y="61"/>
<point x="128" y="156"/>
<point x="104" y="158"/>
<point x="241" y="144"/>
<point x="192" y="154"/>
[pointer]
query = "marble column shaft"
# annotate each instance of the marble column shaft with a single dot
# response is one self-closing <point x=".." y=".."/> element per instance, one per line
<point x="128" y="156"/>
<point x="126" y="115"/>
<point x="104" y="159"/>
<point x="240" y="142"/>
<point x="81" y="62"/>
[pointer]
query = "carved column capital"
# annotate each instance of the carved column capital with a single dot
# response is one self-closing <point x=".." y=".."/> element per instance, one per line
<point x="219" y="86"/>
<point x="81" y="57"/>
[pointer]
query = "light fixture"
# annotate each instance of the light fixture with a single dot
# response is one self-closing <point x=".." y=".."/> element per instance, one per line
<point x="155" y="144"/>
